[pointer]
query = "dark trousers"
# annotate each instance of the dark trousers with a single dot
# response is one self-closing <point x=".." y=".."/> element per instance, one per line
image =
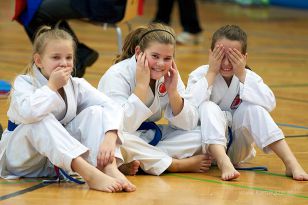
<point x="188" y="14"/>
<point x="52" y="12"/>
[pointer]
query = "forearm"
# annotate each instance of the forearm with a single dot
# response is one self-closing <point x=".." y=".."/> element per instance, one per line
<point x="210" y="77"/>
<point x="111" y="136"/>
<point x="141" y="93"/>
<point x="176" y="103"/>
<point x="241" y="76"/>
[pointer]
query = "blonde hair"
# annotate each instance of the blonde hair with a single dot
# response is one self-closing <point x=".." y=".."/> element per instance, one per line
<point x="143" y="36"/>
<point x="43" y="35"/>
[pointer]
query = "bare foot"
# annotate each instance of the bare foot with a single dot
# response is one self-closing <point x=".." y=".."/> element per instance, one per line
<point x="228" y="172"/>
<point x="131" y="168"/>
<point x="94" y="177"/>
<point x="102" y="182"/>
<point x="297" y="172"/>
<point x="198" y="163"/>
<point x="112" y="170"/>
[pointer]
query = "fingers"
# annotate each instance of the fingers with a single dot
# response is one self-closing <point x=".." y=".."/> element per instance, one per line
<point x="105" y="158"/>
<point x="215" y="57"/>
<point x="171" y="72"/>
<point x="146" y="64"/>
<point x="174" y="65"/>
<point x="143" y="62"/>
<point x="232" y="56"/>
<point x="141" y="59"/>
<point x="63" y="71"/>
<point x="59" y="77"/>
<point x="218" y="52"/>
<point x="235" y="55"/>
<point x="171" y="75"/>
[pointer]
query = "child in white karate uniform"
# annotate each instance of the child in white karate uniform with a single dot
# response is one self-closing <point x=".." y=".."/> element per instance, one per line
<point x="57" y="120"/>
<point x="146" y="82"/>
<point x="226" y="92"/>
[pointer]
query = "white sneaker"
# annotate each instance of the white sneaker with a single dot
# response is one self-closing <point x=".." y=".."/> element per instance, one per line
<point x="186" y="38"/>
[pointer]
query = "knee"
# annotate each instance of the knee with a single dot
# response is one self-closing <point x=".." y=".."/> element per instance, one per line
<point x="252" y="109"/>
<point x="92" y="111"/>
<point x="209" y="107"/>
<point x="248" y="111"/>
<point x="45" y="121"/>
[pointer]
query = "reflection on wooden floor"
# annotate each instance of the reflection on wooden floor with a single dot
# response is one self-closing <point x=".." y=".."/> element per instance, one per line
<point x="277" y="50"/>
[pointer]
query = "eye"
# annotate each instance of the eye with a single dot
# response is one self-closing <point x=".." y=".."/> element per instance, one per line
<point x="155" y="56"/>
<point x="69" y="57"/>
<point x="168" y="59"/>
<point x="55" y="57"/>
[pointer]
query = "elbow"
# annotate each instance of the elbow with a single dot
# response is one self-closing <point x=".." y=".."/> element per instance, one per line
<point x="272" y="106"/>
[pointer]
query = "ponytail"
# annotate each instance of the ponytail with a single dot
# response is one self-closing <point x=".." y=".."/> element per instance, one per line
<point x="130" y="43"/>
<point x="143" y="36"/>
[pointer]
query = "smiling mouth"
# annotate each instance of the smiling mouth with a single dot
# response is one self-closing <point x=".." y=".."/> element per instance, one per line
<point x="157" y="70"/>
<point x="226" y="69"/>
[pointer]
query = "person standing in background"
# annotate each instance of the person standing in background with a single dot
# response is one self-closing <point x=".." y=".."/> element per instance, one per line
<point x="188" y="16"/>
<point x="33" y="14"/>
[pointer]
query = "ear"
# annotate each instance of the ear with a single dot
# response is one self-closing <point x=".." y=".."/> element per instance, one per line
<point x="137" y="50"/>
<point x="37" y="60"/>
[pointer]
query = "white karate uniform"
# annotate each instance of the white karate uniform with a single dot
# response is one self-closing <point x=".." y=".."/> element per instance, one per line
<point x="180" y="139"/>
<point x="249" y="103"/>
<point x="52" y="131"/>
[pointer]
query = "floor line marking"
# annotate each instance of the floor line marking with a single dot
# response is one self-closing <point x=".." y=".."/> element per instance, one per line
<point x="23" y="191"/>
<point x="241" y="186"/>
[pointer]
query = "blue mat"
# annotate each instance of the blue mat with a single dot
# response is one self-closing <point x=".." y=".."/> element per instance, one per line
<point x="300" y="4"/>
<point x="5" y="88"/>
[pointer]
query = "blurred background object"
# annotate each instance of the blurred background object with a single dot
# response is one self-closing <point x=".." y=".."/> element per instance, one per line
<point x="5" y="88"/>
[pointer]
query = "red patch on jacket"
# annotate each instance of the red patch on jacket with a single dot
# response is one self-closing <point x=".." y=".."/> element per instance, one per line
<point x="162" y="89"/>
<point x="236" y="102"/>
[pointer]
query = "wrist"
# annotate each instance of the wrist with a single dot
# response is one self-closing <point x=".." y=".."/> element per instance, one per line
<point x="141" y="91"/>
<point x="211" y="74"/>
<point x="173" y="94"/>
<point x="141" y="87"/>
<point x="210" y="77"/>
<point x="241" y="76"/>
<point x="111" y="135"/>
<point x="52" y="87"/>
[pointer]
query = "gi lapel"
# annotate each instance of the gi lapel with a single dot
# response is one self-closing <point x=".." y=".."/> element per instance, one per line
<point x="71" y="106"/>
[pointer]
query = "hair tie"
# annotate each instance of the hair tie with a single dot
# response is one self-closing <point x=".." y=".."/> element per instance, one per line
<point x="150" y="31"/>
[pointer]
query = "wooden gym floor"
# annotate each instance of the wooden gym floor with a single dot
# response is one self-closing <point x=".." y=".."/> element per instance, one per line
<point x="277" y="50"/>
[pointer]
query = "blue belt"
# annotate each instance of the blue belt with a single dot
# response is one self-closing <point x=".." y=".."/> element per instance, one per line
<point x="152" y="126"/>
<point x="257" y="168"/>
<point x="11" y="126"/>
<point x="62" y="176"/>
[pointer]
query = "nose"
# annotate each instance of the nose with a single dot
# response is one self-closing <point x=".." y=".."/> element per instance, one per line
<point x="63" y="62"/>
<point x="160" y="62"/>
<point x="225" y="61"/>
